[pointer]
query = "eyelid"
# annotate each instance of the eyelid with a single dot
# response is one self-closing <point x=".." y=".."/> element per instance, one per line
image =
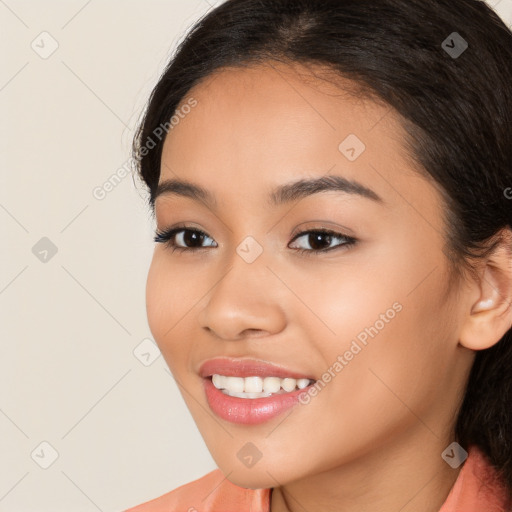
<point x="347" y="241"/>
<point x="180" y="226"/>
<point x="323" y="225"/>
<point x="320" y="230"/>
<point x="165" y="236"/>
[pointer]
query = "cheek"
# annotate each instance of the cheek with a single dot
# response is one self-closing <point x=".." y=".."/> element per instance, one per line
<point x="170" y="299"/>
<point x="390" y="325"/>
<point x="343" y="299"/>
<point x="158" y="294"/>
<point x="393" y="359"/>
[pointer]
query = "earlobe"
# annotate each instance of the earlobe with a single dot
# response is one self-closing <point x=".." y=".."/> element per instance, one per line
<point x="490" y="317"/>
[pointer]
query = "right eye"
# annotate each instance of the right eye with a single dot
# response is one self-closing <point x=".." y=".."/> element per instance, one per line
<point x="183" y="239"/>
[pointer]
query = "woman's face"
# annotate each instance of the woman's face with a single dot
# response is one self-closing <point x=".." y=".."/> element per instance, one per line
<point x="374" y="322"/>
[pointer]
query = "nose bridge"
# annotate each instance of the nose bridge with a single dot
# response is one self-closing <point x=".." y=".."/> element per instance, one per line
<point x="247" y="296"/>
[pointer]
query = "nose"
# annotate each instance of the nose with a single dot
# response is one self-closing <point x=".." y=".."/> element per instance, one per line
<point x="247" y="301"/>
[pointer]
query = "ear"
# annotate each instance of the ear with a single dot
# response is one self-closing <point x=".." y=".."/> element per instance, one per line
<point x="490" y="316"/>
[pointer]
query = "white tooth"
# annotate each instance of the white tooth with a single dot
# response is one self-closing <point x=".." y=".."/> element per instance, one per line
<point x="235" y="384"/>
<point x="256" y="387"/>
<point x="302" y="383"/>
<point x="253" y="385"/>
<point x="271" y="384"/>
<point x="218" y="381"/>
<point x="288" y="384"/>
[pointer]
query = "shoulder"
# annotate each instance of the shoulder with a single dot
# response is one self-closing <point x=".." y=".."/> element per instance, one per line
<point x="212" y="492"/>
<point x="478" y="487"/>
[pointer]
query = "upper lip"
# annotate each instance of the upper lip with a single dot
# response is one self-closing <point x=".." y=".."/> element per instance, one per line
<point x="247" y="368"/>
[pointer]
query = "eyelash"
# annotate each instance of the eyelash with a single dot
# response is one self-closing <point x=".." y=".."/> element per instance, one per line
<point x="166" y="237"/>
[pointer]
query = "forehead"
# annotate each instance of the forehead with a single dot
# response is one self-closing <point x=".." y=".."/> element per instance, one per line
<point x="279" y="105"/>
<point x="269" y="124"/>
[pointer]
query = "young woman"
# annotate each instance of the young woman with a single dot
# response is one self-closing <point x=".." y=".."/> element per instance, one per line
<point x="332" y="281"/>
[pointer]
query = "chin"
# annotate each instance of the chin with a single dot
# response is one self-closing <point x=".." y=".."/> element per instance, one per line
<point x="251" y="478"/>
<point x="260" y="476"/>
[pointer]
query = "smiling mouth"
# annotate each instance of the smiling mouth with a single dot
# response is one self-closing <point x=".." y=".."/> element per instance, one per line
<point x="257" y="387"/>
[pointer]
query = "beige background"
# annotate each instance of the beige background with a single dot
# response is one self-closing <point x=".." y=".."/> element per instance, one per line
<point x="78" y="371"/>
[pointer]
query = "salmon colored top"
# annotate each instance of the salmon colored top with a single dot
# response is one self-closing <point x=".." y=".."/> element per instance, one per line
<point x="475" y="490"/>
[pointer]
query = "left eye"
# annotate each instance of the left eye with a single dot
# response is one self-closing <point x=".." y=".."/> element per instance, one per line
<point x="317" y="240"/>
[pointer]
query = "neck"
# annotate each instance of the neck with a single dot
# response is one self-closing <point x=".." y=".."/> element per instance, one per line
<point x="408" y="477"/>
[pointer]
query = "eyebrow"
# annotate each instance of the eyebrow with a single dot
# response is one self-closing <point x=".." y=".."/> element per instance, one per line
<point x="282" y="194"/>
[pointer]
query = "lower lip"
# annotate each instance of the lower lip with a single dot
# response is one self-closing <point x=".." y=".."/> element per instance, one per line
<point x="249" y="411"/>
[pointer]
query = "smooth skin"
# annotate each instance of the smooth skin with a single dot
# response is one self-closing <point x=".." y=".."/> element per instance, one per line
<point x="373" y="436"/>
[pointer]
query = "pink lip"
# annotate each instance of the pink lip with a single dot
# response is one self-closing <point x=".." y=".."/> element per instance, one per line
<point x="248" y="411"/>
<point x="247" y="368"/>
